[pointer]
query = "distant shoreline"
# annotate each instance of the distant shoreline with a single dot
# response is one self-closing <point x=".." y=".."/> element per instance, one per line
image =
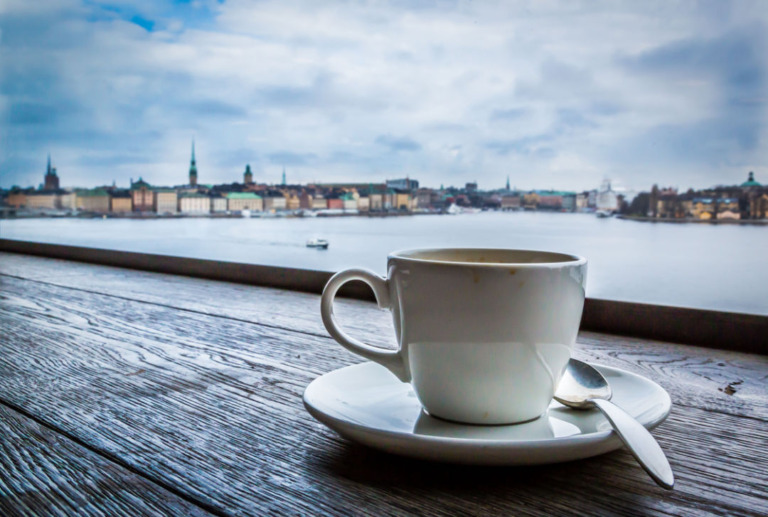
<point x="641" y="219"/>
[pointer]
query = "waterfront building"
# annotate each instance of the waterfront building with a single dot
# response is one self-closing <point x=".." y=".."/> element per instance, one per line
<point x="702" y="208"/>
<point x="471" y="188"/>
<point x="193" y="168"/>
<point x="728" y="208"/>
<point x="93" y="200"/>
<point x="401" y="200"/>
<point x="17" y="198"/>
<point x="549" y="200"/>
<point x="569" y="202"/>
<point x="424" y="197"/>
<point x="376" y="202"/>
<point x="668" y="205"/>
<point x="592" y="199"/>
<point x="293" y="202"/>
<point x="319" y="202"/>
<point x="758" y="205"/>
<point x="143" y="196"/>
<point x="239" y="201"/>
<point x="51" y="180"/>
<point x="68" y="200"/>
<point x="582" y="202"/>
<point x="248" y="175"/>
<point x="335" y="203"/>
<point x="607" y="199"/>
<point x="218" y="204"/>
<point x="274" y="200"/>
<point x="305" y="200"/>
<point x="43" y="200"/>
<point x="194" y="204"/>
<point x="166" y="201"/>
<point x="530" y="201"/>
<point x="121" y="202"/>
<point x="390" y="198"/>
<point x="364" y="202"/>
<point x="348" y="201"/>
<point x="511" y="202"/>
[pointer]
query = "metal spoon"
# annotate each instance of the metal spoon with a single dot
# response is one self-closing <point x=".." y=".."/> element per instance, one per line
<point x="583" y="387"/>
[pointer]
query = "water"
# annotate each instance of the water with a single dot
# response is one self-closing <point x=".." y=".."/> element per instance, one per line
<point x="692" y="265"/>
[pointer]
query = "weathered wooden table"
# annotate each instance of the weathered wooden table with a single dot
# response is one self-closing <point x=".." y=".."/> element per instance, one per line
<point x="127" y="393"/>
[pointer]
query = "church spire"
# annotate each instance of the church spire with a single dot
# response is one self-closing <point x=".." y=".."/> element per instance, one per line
<point x="507" y="181"/>
<point x="48" y="170"/>
<point x="193" y="167"/>
<point x="283" y="175"/>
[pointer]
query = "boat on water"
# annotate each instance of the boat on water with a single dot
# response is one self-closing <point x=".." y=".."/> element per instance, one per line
<point x="317" y="243"/>
<point x="602" y="214"/>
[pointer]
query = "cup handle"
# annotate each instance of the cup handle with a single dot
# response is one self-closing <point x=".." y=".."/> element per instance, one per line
<point x="390" y="359"/>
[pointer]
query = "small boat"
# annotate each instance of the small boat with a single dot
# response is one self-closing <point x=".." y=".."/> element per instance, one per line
<point x="317" y="243"/>
<point x="602" y="214"/>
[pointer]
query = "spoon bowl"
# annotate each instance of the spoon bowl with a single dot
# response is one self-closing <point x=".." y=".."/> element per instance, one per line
<point x="580" y="385"/>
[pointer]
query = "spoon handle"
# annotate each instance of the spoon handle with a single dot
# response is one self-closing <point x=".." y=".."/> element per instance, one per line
<point x="640" y="443"/>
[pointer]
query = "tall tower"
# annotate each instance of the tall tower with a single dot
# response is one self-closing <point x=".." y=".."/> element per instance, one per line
<point x="507" y="181"/>
<point x="283" y="175"/>
<point x="51" y="180"/>
<point x="248" y="176"/>
<point x="193" y="168"/>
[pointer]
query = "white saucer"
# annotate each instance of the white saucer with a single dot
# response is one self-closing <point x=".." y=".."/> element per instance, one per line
<point x="367" y="404"/>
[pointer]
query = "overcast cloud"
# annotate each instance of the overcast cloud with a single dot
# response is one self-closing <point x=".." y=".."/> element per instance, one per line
<point x="554" y="94"/>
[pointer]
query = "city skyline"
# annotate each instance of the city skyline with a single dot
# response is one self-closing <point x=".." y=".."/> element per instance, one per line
<point x="559" y="96"/>
<point x="51" y="169"/>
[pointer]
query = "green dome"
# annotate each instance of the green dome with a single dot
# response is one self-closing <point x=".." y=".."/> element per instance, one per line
<point x="751" y="181"/>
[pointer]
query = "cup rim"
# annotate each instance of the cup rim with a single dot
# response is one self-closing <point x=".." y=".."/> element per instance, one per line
<point x="574" y="260"/>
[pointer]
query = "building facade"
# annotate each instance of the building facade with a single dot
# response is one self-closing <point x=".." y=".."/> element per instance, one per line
<point x="274" y="202"/>
<point x="218" y="204"/>
<point x="121" y="203"/>
<point x="194" y="204"/>
<point x="142" y="196"/>
<point x="166" y="201"/>
<point x="42" y="200"/>
<point x="239" y="201"/>
<point x="95" y="200"/>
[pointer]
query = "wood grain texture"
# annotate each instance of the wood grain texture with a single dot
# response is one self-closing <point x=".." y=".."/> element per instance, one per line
<point x="43" y="473"/>
<point x="212" y="405"/>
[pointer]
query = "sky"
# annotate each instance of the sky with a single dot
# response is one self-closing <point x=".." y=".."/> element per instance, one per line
<point x="552" y="94"/>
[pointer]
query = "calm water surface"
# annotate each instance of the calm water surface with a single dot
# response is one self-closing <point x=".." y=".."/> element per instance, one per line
<point x="694" y="265"/>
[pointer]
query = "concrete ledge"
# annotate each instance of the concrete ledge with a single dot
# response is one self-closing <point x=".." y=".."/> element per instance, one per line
<point x="713" y="329"/>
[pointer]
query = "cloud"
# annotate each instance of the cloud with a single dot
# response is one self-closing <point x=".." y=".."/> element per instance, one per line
<point x="395" y="143"/>
<point x="537" y="144"/>
<point x="508" y="114"/>
<point x="291" y="158"/>
<point x="558" y="94"/>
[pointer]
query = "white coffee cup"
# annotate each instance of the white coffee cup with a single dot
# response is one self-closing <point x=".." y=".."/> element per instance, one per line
<point x="484" y="334"/>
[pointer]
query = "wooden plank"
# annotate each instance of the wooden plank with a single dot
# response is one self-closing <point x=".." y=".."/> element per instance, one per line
<point x="45" y="473"/>
<point x="697" y="374"/>
<point x="713" y="329"/>
<point x="213" y="405"/>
